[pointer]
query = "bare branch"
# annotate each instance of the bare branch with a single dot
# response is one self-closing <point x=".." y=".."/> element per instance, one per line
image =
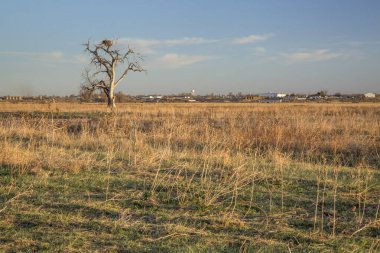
<point x="134" y="66"/>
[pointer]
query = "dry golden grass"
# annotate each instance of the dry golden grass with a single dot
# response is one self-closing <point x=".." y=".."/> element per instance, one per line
<point x="223" y="174"/>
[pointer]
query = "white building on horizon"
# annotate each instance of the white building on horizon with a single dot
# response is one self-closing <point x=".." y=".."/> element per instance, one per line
<point x="370" y="95"/>
<point x="273" y="95"/>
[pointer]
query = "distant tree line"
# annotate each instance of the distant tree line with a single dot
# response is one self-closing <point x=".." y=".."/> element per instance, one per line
<point x="101" y="97"/>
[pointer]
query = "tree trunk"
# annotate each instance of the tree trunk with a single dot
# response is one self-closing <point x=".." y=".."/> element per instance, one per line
<point x="110" y="96"/>
<point x="111" y="93"/>
<point x="111" y="101"/>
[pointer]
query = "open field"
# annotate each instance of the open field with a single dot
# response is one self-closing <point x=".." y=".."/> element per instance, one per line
<point x="190" y="178"/>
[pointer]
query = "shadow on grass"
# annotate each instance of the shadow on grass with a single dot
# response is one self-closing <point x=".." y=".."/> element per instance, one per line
<point x="86" y="211"/>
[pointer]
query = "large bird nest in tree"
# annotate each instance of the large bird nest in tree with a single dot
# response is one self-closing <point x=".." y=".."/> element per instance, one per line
<point x="107" y="43"/>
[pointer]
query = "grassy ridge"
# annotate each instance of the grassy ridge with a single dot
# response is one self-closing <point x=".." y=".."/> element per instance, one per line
<point x="190" y="178"/>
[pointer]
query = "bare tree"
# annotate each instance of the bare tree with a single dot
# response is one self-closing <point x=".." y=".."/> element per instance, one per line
<point x="106" y="57"/>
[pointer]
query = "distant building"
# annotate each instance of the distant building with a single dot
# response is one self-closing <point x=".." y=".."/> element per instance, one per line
<point x="251" y="98"/>
<point x="370" y="95"/>
<point x="153" y="97"/>
<point x="314" y="97"/>
<point x="272" y="95"/>
<point x="13" y="98"/>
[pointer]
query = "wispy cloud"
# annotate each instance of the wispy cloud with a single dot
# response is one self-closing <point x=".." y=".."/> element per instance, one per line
<point x="260" y="50"/>
<point x="175" y="61"/>
<point x="80" y="58"/>
<point x="54" y="56"/>
<point x="312" y="56"/>
<point x="356" y="43"/>
<point x="252" y="39"/>
<point x="163" y="59"/>
<point x="188" y="41"/>
<point x="149" y="46"/>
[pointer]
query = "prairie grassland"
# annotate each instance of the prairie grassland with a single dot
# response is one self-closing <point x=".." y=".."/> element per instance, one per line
<point x="190" y="177"/>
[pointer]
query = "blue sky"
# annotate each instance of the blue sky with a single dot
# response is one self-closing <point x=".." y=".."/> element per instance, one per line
<point x="249" y="46"/>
